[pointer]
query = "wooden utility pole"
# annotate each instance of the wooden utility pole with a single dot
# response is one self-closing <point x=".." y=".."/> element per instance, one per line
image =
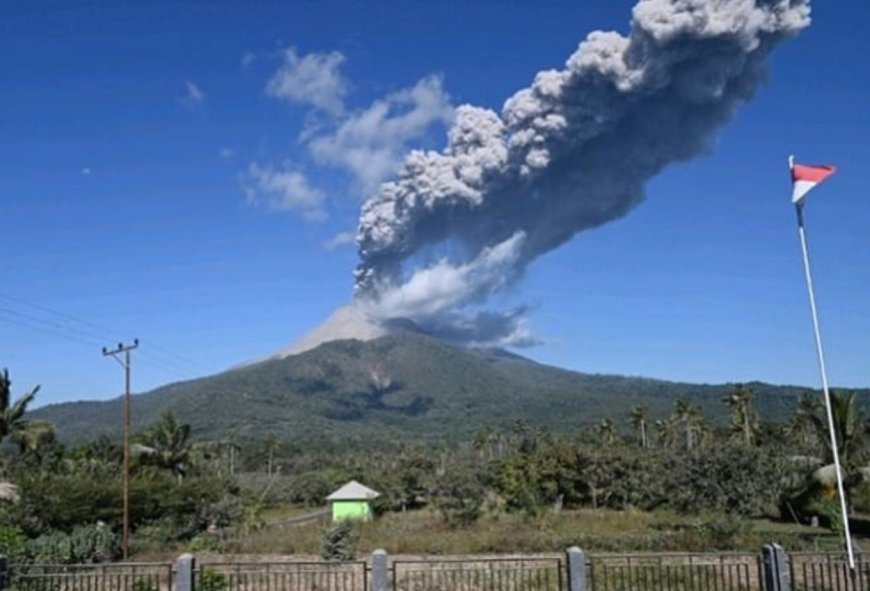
<point x="125" y="349"/>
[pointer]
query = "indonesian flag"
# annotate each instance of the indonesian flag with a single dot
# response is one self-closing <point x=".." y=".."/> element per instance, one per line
<point x="806" y="176"/>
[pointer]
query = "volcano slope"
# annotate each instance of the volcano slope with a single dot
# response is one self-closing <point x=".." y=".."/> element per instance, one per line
<point x="398" y="388"/>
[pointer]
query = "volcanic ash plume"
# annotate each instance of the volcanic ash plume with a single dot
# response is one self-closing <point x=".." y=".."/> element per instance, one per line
<point x="571" y="152"/>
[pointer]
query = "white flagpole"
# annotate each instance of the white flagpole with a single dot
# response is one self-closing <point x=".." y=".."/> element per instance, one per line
<point x="821" y="355"/>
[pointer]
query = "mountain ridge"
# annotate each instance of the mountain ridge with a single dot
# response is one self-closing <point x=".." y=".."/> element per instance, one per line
<point x="398" y="388"/>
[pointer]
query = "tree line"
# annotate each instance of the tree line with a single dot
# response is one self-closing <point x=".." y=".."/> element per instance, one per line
<point x="63" y="504"/>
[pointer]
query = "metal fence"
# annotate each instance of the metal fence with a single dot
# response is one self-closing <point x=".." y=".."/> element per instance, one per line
<point x="675" y="572"/>
<point x="479" y="574"/>
<point x="91" y="577"/>
<point x="772" y="570"/>
<point x="281" y="576"/>
<point x="828" y="572"/>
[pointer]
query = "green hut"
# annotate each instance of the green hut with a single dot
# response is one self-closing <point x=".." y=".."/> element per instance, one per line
<point x="352" y="501"/>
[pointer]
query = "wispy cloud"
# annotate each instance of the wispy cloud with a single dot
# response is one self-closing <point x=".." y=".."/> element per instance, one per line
<point x="371" y="143"/>
<point x="313" y="79"/>
<point x="227" y="153"/>
<point x="368" y="143"/>
<point x="248" y="58"/>
<point x="340" y="239"/>
<point x="284" y="190"/>
<point x="194" y="96"/>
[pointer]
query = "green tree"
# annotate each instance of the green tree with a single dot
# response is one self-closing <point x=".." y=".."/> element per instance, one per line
<point x="801" y="428"/>
<point x="666" y="432"/>
<point x="459" y="496"/>
<point x="638" y="419"/>
<point x="167" y="445"/>
<point x="744" y="420"/>
<point x="34" y="435"/>
<point x="606" y="432"/>
<point x="692" y="419"/>
<point x="12" y="415"/>
<point x="851" y="431"/>
<point x="270" y="446"/>
<point x="231" y="445"/>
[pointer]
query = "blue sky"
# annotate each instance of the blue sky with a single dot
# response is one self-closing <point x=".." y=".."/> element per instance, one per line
<point x="129" y="131"/>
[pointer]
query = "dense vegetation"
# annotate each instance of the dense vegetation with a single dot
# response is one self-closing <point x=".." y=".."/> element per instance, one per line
<point x="217" y="494"/>
<point x="407" y="388"/>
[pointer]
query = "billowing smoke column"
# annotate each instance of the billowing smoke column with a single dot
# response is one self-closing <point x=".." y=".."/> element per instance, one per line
<point x="569" y="153"/>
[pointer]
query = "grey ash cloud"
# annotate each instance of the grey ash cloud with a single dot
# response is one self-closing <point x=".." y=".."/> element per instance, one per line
<point x="569" y="153"/>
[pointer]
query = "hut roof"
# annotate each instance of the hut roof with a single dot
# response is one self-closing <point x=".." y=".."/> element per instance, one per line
<point x="353" y="491"/>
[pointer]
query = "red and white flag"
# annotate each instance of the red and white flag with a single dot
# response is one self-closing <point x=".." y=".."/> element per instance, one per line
<point x="806" y="176"/>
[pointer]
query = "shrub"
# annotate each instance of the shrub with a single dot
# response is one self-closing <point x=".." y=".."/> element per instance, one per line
<point x="212" y="580"/>
<point x="89" y="543"/>
<point x="338" y="542"/>
<point x="12" y="544"/>
<point x="459" y="497"/>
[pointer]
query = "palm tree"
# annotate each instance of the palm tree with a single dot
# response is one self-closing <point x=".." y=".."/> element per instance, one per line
<point x="666" y="432"/>
<point x="166" y="444"/>
<point x="638" y="418"/>
<point x="34" y="435"/>
<point x="744" y="419"/>
<point x="231" y="445"/>
<point x="11" y="415"/>
<point x="851" y="430"/>
<point x="271" y="445"/>
<point x="607" y="431"/>
<point x="801" y="428"/>
<point x="685" y="413"/>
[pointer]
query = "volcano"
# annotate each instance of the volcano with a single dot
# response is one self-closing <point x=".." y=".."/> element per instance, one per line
<point x="349" y="322"/>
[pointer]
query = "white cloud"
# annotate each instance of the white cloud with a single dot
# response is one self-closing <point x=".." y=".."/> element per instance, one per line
<point x="194" y="96"/>
<point x="284" y="190"/>
<point x="340" y="239"/>
<point x="312" y="79"/>
<point x="227" y="153"/>
<point x="248" y="58"/>
<point x="372" y="142"/>
<point x="432" y="290"/>
<point x="86" y="171"/>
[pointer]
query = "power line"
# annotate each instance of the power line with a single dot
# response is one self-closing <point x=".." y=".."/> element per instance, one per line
<point x="82" y="337"/>
<point x="67" y="326"/>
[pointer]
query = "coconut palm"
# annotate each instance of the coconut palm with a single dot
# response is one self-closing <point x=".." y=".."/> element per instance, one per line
<point x="800" y="428"/>
<point x="12" y="415"/>
<point x="666" y="432"/>
<point x="744" y="419"/>
<point x="166" y="444"/>
<point x="850" y="429"/>
<point x="607" y="431"/>
<point x="852" y="433"/>
<point x="34" y="435"/>
<point x="638" y="418"/>
<point x="270" y="446"/>
<point x="692" y="419"/>
<point x="232" y="448"/>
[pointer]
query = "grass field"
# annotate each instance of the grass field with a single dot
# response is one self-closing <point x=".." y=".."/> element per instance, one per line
<point x="425" y="533"/>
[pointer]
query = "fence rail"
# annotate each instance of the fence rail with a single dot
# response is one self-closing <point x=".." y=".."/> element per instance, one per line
<point x="479" y="574"/>
<point x="772" y="570"/>
<point x="828" y="572"/>
<point x="675" y="572"/>
<point x="281" y="576"/>
<point x="91" y="577"/>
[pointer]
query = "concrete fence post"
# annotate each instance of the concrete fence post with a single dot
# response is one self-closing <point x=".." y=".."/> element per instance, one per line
<point x="576" y="562"/>
<point x="380" y="578"/>
<point x="777" y="576"/>
<point x="4" y="573"/>
<point x="185" y="573"/>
